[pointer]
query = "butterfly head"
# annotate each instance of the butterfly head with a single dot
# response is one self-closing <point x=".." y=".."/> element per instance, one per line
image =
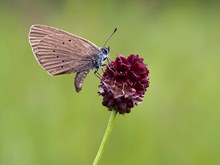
<point x="101" y="57"/>
<point x="105" y="50"/>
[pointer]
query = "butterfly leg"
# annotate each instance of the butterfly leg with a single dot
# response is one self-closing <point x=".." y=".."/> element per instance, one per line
<point x="97" y="74"/>
<point x="109" y="60"/>
<point x="102" y="69"/>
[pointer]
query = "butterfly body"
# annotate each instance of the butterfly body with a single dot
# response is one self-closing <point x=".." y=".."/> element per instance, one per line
<point x="60" y="52"/>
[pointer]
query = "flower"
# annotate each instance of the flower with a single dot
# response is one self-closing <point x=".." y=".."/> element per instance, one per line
<point x="124" y="83"/>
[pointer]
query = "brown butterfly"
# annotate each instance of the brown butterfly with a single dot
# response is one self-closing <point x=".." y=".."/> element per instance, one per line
<point x="60" y="52"/>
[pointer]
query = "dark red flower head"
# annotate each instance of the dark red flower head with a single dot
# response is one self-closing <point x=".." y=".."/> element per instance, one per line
<point x="124" y="83"/>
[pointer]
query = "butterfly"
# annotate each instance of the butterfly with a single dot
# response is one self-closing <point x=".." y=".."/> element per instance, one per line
<point x="60" y="52"/>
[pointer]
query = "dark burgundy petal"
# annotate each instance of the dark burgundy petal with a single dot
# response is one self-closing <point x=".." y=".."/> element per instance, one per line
<point x="132" y="76"/>
<point x="122" y="59"/>
<point x="138" y="68"/>
<point x="131" y="59"/>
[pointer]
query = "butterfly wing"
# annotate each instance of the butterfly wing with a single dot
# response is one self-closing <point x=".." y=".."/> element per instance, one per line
<point x="60" y="52"/>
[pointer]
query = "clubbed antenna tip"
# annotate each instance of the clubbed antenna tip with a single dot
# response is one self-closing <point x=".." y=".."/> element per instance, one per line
<point x="110" y="37"/>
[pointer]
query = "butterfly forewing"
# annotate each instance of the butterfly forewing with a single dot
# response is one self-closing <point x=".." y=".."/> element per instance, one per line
<point x="59" y="52"/>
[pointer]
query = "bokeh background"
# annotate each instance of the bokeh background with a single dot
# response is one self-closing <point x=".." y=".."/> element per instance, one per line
<point x="43" y="121"/>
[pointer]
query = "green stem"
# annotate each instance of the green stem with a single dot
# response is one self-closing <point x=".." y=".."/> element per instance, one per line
<point x="106" y="137"/>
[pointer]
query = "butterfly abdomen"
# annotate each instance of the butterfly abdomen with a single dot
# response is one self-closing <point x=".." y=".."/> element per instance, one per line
<point x="79" y="80"/>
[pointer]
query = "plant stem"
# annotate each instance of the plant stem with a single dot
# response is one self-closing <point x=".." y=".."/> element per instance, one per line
<point x="106" y="137"/>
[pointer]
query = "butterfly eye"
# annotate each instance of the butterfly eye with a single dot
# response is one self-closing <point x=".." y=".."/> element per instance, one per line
<point x="104" y="50"/>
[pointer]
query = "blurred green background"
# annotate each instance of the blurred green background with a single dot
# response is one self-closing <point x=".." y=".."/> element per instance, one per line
<point x="43" y="121"/>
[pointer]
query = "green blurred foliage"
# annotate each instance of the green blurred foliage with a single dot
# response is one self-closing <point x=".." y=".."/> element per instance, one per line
<point x="44" y="121"/>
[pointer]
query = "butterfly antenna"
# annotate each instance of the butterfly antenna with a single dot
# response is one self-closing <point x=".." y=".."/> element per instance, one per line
<point x="110" y="37"/>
